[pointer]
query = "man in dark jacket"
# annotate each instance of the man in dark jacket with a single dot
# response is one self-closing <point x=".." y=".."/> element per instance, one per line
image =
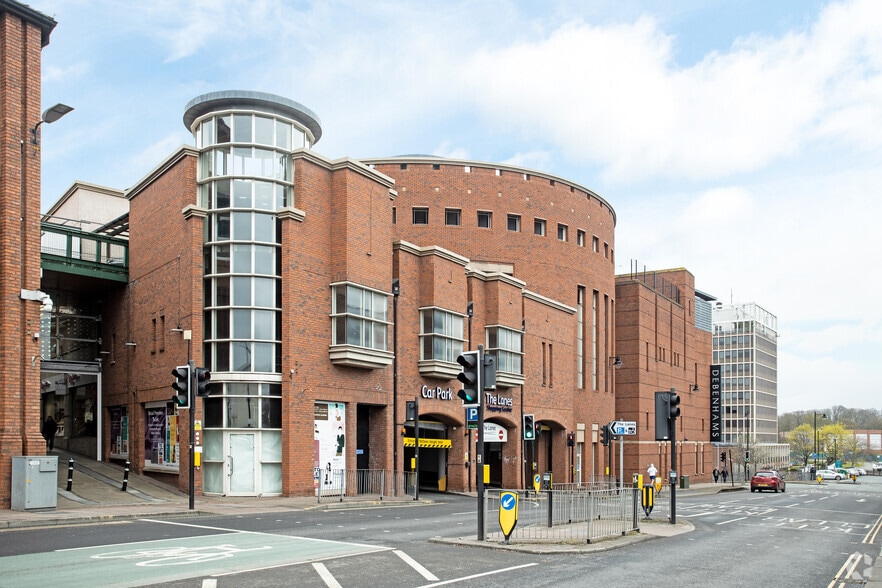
<point x="50" y="427"/>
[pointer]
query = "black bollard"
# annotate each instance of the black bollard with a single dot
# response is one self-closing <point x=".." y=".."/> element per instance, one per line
<point x="126" y="476"/>
<point x="70" y="463"/>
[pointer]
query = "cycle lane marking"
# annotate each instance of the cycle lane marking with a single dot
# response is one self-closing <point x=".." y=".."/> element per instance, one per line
<point x="226" y="552"/>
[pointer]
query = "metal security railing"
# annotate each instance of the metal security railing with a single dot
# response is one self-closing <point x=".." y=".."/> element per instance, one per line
<point x="568" y="515"/>
<point x="341" y="484"/>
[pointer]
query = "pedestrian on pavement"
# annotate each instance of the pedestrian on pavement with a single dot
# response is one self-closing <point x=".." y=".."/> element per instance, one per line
<point x="50" y="427"/>
<point x="725" y="475"/>
<point x="716" y="475"/>
<point x="652" y="473"/>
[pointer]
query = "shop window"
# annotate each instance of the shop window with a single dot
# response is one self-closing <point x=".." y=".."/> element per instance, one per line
<point x="161" y="436"/>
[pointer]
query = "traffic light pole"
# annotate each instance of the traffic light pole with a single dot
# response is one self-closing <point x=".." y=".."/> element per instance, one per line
<point x="673" y="481"/>
<point x="479" y="445"/>
<point x="416" y="448"/>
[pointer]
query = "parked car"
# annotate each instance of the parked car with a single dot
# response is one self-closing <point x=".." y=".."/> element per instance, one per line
<point x="853" y="471"/>
<point x="877" y="467"/>
<point x="767" y="480"/>
<point x="829" y="475"/>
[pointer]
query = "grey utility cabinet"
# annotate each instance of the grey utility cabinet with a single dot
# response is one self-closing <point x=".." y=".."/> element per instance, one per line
<point x="34" y="482"/>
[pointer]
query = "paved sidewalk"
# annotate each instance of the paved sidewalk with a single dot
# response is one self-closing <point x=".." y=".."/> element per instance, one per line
<point x="96" y="496"/>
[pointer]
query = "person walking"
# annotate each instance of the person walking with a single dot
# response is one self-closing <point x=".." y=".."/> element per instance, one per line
<point x="50" y="428"/>
<point x="716" y="473"/>
<point x="652" y="471"/>
<point x="725" y="475"/>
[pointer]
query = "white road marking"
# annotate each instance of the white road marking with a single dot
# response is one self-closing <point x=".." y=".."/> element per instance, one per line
<point x="417" y="566"/>
<point x="502" y="571"/>
<point x="329" y="580"/>
<point x="732" y="521"/>
<point x="209" y="583"/>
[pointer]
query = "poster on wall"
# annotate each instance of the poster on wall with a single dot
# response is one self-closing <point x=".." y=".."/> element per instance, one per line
<point x="329" y="442"/>
<point x="160" y="437"/>
<point x="119" y="432"/>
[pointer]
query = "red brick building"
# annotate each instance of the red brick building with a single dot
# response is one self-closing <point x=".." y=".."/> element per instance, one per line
<point x="663" y="334"/>
<point x="23" y="34"/>
<point x="324" y="296"/>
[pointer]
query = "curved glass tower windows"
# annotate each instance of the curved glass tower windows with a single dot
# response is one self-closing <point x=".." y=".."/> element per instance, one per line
<point x="245" y="176"/>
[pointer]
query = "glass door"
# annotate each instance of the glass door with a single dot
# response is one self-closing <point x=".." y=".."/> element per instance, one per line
<point x="241" y="465"/>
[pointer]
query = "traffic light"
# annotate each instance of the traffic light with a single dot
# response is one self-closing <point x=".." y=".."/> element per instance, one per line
<point x="470" y="377"/>
<point x="571" y="439"/>
<point x="604" y="434"/>
<point x="662" y="416"/>
<point x="723" y="456"/>
<point x="181" y="386"/>
<point x="203" y="382"/>
<point x="529" y="428"/>
<point x="673" y="405"/>
<point x="746" y="456"/>
<point x="537" y="430"/>
<point x="488" y="381"/>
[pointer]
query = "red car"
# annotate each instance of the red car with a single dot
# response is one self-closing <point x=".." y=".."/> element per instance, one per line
<point x="767" y="480"/>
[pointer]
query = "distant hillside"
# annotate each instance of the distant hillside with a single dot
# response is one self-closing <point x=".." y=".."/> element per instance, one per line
<point x="850" y="418"/>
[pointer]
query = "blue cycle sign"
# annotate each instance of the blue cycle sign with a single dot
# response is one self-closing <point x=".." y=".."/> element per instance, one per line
<point x="508" y="513"/>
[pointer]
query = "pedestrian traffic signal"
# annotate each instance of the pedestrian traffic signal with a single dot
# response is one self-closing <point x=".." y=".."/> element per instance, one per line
<point x="604" y="434"/>
<point x="470" y="378"/>
<point x="203" y="382"/>
<point x="674" y="405"/>
<point x="571" y="439"/>
<point x="746" y="456"/>
<point x="529" y="428"/>
<point x="537" y="430"/>
<point x="723" y="456"/>
<point x="181" y="386"/>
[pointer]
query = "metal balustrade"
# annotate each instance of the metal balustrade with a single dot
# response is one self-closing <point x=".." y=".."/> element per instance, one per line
<point x="68" y="250"/>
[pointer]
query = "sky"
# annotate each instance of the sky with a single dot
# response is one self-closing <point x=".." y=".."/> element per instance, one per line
<point x="738" y="139"/>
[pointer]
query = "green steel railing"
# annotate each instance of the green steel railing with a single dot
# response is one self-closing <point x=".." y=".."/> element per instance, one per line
<point x="72" y="251"/>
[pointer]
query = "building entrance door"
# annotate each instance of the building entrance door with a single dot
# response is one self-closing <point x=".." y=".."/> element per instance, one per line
<point x="242" y="467"/>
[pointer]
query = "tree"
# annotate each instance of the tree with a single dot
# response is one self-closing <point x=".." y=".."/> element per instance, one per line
<point x="834" y="438"/>
<point x="852" y="448"/>
<point x="802" y="444"/>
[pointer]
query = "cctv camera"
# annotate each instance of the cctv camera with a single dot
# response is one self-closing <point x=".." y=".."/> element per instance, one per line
<point x="36" y="336"/>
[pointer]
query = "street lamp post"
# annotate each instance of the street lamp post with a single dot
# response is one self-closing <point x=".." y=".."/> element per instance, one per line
<point x="747" y="451"/>
<point x="823" y="416"/>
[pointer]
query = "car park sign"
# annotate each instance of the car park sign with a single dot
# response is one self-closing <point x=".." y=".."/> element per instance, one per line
<point x="623" y="428"/>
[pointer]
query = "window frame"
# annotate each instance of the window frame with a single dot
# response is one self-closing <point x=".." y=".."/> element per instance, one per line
<point x="487" y="215"/>
<point x="416" y="210"/>
<point x="539" y="227"/>
<point x="454" y="339"/>
<point x="371" y="328"/>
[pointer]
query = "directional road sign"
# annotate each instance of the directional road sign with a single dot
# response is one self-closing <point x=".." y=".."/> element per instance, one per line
<point x="623" y="428"/>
